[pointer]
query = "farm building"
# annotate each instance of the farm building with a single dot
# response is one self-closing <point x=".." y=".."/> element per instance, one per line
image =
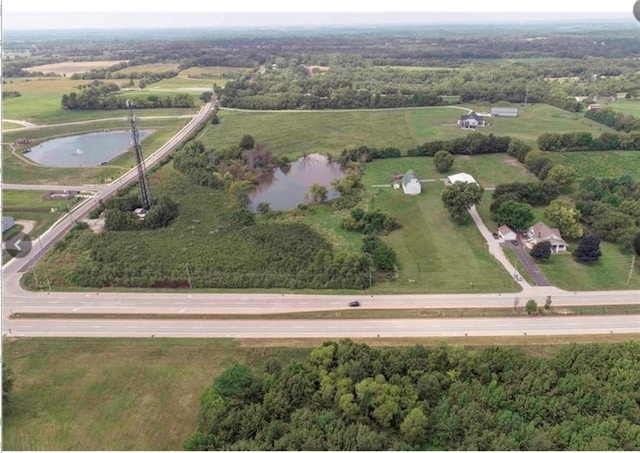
<point x="411" y="184"/>
<point x="593" y="107"/>
<point x="540" y="232"/>
<point x="461" y="177"/>
<point x="504" y="111"/>
<point x="471" y="121"/>
<point x="7" y="222"/>
<point x="506" y="233"/>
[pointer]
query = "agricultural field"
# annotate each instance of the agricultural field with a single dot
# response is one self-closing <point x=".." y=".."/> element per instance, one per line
<point x="17" y="169"/>
<point x="39" y="102"/>
<point x="151" y="67"/>
<point x="206" y="72"/>
<point x="69" y="68"/>
<point x="607" y="164"/>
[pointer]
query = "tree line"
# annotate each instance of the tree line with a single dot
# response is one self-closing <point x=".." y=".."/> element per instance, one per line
<point x="99" y="95"/>
<point x="349" y="396"/>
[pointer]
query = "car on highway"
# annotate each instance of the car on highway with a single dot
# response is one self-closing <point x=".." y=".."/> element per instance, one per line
<point x="354" y="303"/>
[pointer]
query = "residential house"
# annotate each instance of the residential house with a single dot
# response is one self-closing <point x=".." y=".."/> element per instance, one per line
<point x="460" y="177"/>
<point x="411" y="184"/>
<point x="540" y="232"/>
<point x="471" y="121"/>
<point x="506" y="234"/>
<point x="504" y="111"/>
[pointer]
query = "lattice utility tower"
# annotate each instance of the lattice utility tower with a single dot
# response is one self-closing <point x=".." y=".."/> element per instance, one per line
<point x="142" y="171"/>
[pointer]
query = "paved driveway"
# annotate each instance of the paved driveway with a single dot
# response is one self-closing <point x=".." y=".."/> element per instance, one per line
<point x="529" y="263"/>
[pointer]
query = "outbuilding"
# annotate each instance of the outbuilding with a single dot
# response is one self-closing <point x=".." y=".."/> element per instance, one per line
<point x="507" y="234"/>
<point x="411" y="184"/>
<point x="461" y="177"/>
<point x="7" y="222"/>
<point x="504" y="111"/>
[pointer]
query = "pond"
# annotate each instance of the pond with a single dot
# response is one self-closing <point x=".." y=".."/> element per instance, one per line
<point x="87" y="150"/>
<point x="288" y="187"/>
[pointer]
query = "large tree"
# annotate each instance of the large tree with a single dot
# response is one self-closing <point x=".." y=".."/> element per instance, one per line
<point x="518" y="216"/>
<point x="562" y="174"/>
<point x="317" y="193"/>
<point x="588" y="249"/>
<point x="443" y="160"/>
<point x="459" y="197"/>
<point x="541" y="251"/>
<point x="564" y="214"/>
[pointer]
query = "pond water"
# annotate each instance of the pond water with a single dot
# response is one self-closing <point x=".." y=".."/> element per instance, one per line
<point x="86" y="150"/>
<point x="286" y="188"/>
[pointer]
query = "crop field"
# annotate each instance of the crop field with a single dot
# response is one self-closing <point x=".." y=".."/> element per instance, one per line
<point x="151" y="67"/>
<point x="40" y="102"/>
<point x="607" y="164"/>
<point x="68" y="68"/>
<point x="16" y="169"/>
<point x="420" y="68"/>
<point x="217" y="71"/>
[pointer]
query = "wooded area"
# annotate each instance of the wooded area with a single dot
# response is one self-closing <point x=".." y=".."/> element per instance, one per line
<point x="349" y="396"/>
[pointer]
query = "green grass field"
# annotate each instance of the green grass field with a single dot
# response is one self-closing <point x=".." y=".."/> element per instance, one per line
<point x="632" y="107"/>
<point x="606" y="164"/>
<point x="16" y="170"/>
<point x="114" y="394"/>
<point x="610" y="272"/>
<point x="40" y="102"/>
<point x="151" y="67"/>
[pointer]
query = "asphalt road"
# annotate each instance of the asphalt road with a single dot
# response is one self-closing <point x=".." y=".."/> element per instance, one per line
<point x="365" y="328"/>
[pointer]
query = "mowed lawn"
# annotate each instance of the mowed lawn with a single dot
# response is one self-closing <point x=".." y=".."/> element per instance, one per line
<point x="435" y="255"/>
<point x="632" y="107"/>
<point x="610" y="272"/>
<point x="114" y="394"/>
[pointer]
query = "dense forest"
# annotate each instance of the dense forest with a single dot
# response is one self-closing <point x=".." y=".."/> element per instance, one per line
<point x="348" y="396"/>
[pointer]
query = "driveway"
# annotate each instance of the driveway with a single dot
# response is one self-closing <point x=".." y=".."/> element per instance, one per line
<point x="529" y="263"/>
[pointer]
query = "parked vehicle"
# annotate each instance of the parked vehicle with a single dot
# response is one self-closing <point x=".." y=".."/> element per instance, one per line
<point x="354" y="303"/>
<point x="495" y="235"/>
<point x="515" y="243"/>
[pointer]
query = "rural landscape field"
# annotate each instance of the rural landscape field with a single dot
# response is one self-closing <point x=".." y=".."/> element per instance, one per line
<point x="319" y="238"/>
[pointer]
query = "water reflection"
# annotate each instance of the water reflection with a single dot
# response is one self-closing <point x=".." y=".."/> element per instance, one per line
<point x="286" y="188"/>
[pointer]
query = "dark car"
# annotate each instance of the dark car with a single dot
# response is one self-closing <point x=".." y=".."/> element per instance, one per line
<point x="354" y="303"/>
<point x="515" y="243"/>
<point x="495" y="235"/>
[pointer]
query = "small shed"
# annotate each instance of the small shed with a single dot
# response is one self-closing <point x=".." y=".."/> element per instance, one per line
<point x="411" y="184"/>
<point x="504" y="111"/>
<point x="506" y="233"/>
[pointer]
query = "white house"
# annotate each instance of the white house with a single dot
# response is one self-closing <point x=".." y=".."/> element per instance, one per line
<point x="471" y="121"/>
<point x="507" y="234"/>
<point x="461" y="177"/>
<point x="541" y="232"/>
<point x="411" y="184"/>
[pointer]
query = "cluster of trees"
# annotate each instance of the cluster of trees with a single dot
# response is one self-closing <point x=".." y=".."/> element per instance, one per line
<point x="347" y="396"/>
<point x="120" y="216"/>
<point x="10" y="94"/>
<point x="533" y="193"/>
<point x="459" y="197"/>
<point x="584" y="141"/>
<point x="615" y="120"/>
<point x="366" y="154"/>
<point x="383" y="256"/>
<point x="372" y="222"/>
<point x="99" y="95"/>
<point x="472" y="143"/>
<point x="556" y="176"/>
<point x="610" y="208"/>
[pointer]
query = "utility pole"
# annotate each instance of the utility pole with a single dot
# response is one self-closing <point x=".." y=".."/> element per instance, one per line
<point x="633" y="262"/>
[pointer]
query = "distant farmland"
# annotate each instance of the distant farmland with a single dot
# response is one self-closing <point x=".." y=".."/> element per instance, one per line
<point x="69" y="68"/>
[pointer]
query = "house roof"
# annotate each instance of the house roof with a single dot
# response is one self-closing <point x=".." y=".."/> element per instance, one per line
<point x="462" y="177"/>
<point x="542" y="232"/>
<point x="504" y="229"/>
<point x="470" y="116"/>
<point x="408" y="176"/>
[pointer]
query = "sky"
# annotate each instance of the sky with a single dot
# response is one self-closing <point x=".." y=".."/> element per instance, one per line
<point x="64" y="14"/>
